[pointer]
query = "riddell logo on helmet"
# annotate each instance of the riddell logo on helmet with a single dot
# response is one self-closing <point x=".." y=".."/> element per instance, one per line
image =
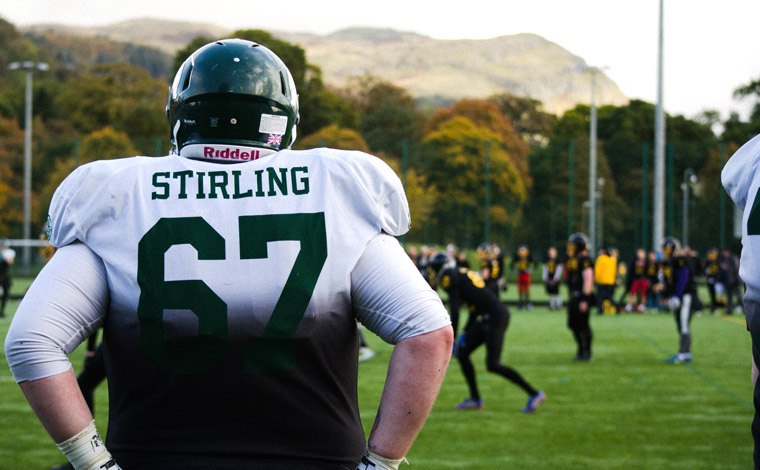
<point x="233" y="153"/>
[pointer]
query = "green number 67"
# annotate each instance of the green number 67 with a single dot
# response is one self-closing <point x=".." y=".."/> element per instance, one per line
<point x="275" y="349"/>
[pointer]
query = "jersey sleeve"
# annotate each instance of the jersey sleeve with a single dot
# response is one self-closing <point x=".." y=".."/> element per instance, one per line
<point x="75" y="201"/>
<point x="65" y="304"/>
<point x="85" y="197"/>
<point x="740" y="171"/>
<point x="62" y="226"/>
<point x="389" y="295"/>
<point x="383" y="189"/>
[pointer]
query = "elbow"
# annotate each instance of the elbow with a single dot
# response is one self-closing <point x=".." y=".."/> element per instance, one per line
<point x="447" y="337"/>
<point x="437" y="343"/>
<point x="441" y="341"/>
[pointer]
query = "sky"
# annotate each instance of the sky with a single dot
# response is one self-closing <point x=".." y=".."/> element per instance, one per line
<point x="709" y="47"/>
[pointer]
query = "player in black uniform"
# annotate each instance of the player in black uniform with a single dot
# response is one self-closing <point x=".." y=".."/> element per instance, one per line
<point x="487" y="323"/>
<point x="552" y="274"/>
<point x="712" y="267"/>
<point x="498" y="271"/>
<point x="668" y="248"/>
<point x="682" y="293"/>
<point x="490" y="268"/>
<point x="728" y="275"/>
<point x="580" y="282"/>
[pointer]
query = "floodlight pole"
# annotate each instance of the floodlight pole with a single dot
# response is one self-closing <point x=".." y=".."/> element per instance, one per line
<point x="29" y="67"/>
<point x="659" y="149"/>
<point x="600" y="212"/>
<point x="592" y="169"/>
<point x="592" y="159"/>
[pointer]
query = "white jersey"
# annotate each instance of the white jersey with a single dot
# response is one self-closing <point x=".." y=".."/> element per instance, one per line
<point x="233" y="292"/>
<point x="741" y="179"/>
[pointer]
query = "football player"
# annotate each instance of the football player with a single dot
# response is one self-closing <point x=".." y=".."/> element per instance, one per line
<point x="681" y="295"/>
<point x="487" y="324"/>
<point x="668" y="249"/>
<point x="741" y="180"/>
<point x="712" y="267"/>
<point x="228" y="278"/>
<point x="580" y="282"/>
<point x="498" y="257"/>
<point x="728" y="274"/>
<point x="522" y="263"/>
<point x="490" y="268"/>
<point x="656" y="279"/>
<point x="638" y="283"/>
<point x="7" y="258"/>
<point x="552" y="275"/>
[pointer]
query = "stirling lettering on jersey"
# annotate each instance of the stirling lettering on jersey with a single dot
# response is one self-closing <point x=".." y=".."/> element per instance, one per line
<point x="226" y="184"/>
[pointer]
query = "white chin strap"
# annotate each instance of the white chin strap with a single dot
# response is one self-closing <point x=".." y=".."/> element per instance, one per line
<point x="224" y="153"/>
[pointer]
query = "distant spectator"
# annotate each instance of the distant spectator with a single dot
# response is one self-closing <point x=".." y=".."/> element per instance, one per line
<point x="728" y="275"/>
<point x="655" y="277"/>
<point x="605" y="275"/>
<point x="552" y="275"/>
<point x="522" y="264"/>
<point x="711" y="269"/>
<point x="7" y="258"/>
<point x="462" y="261"/>
<point x="638" y="283"/>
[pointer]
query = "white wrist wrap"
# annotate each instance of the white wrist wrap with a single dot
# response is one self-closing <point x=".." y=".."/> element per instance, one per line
<point x="86" y="450"/>
<point x="377" y="462"/>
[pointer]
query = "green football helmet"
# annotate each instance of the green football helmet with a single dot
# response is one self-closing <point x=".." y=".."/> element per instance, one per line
<point x="235" y="93"/>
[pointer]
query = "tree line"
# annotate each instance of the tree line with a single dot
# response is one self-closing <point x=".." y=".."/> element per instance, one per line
<point x="499" y="169"/>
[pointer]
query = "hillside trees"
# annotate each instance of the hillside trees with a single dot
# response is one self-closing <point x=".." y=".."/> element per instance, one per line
<point x="531" y="122"/>
<point x="626" y="164"/>
<point x="440" y="154"/>
<point x="560" y="171"/>
<point x="11" y="184"/>
<point x="120" y="95"/>
<point x="333" y="136"/>
<point x="389" y="115"/>
<point x="319" y="106"/>
<point x="465" y="160"/>
<point x="735" y="130"/>
<point x="102" y="144"/>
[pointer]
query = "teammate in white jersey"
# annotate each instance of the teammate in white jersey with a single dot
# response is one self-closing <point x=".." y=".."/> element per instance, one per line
<point x="229" y="294"/>
<point x="741" y="179"/>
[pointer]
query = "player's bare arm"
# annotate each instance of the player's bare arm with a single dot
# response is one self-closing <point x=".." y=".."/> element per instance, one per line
<point x="415" y="373"/>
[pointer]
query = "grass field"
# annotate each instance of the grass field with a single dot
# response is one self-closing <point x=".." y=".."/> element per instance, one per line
<point x="627" y="409"/>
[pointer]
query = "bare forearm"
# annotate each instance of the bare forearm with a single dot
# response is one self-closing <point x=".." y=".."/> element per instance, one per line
<point x="588" y="281"/>
<point x="58" y="403"/>
<point x="415" y="373"/>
